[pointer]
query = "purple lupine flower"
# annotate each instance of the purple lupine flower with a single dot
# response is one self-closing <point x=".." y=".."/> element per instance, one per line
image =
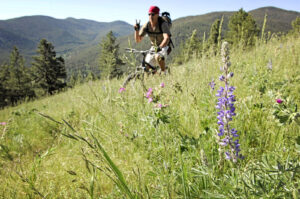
<point x="229" y="75"/>
<point x="279" y="101"/>
<point x="121" y="90"/>
<point x="226" y="108"/>
<point x="222" y="78"/>
<point x="220" y="92"/>
<point x="227" y="156"/>
<point x="212" y="84"/>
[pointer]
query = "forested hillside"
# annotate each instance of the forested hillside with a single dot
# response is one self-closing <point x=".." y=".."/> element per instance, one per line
<point x="67" y="35"/>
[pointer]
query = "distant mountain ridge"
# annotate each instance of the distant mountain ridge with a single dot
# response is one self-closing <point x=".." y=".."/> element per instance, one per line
<point x="278" y="20"/>
<point x="65" y="34"/>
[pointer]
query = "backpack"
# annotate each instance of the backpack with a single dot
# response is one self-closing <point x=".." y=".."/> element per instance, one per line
<point x="165" y="17"/>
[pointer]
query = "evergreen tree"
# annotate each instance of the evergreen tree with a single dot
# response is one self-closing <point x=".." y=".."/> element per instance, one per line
<point x="110" y="63"/>
<point x="192" y="46"/>
<point x="48" y="70"/>
<point x="242" y="29"/>
<point x="79" y="78"/>
<point x="91" y="76"/>
<point x="296" y="26"/>
<point x="19" y="82"/>
<point x="4" y="76"/>
<point x="72" y="80"/>
<point x="15" y="82"/>
<point x="215" y="35"/>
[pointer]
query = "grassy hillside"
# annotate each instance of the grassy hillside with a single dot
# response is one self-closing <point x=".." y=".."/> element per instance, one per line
<point x="162" y="153"/>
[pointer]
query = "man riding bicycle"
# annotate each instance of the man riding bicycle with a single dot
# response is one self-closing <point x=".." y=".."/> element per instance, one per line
<point x="159" y="35"/>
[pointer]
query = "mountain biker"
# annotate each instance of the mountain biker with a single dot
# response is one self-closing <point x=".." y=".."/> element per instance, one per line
<point x="159" y="35"/>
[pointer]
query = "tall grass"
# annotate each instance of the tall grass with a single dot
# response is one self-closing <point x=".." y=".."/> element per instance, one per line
<point x="105" y="144"/>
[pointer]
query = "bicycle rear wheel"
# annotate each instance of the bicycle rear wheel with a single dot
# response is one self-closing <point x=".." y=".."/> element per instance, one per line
<point x="129" y="78"/>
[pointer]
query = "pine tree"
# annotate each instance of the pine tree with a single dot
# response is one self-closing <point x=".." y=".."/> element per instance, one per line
<point x="110" y="63"/>
<point x="72" y="80"/>
<point x="19" y="81"/>
<point x="192" y="46"/>
<point x="15" y="81"/>
<point x="79" y="78"/>
<point x="214" y="33"/>
<point x="49" y="70"/>
<point x="242" y="29"/>
<point x="91" y="76"/>
<point x="214" y="39"/>
<point x="296" y="26"/>
<point x="4" y="76"/>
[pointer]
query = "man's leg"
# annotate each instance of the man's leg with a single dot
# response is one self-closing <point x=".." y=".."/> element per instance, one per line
<point x="150" y="58"/>
<point x="161" y="62"/>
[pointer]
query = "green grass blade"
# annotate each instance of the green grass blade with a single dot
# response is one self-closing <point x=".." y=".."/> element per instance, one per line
<point x="122" y="183"/>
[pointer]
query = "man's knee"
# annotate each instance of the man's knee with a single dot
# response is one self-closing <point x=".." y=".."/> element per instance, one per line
<point x="159" y="58"/>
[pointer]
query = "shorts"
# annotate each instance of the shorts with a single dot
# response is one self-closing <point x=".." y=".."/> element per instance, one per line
<point x="150" y="58"/>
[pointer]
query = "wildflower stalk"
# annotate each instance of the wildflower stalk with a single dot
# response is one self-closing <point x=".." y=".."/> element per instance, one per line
<point x="220" y="32"/>
<point x="262" y="38"/>
<point x="227" y="135"/>
<point x="203" y="43"/>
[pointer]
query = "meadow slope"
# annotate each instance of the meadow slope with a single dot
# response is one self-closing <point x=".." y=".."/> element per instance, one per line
<point x="61" y="146"/>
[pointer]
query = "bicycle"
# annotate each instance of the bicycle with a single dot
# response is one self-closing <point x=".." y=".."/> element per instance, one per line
<point x="143" y="68"/>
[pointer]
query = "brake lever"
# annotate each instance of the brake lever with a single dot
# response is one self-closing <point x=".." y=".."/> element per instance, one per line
<point x="129" y="50"/>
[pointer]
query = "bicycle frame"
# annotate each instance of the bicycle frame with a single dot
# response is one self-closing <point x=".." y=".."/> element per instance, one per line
<point x="140" y="69"/>
<point x="145" y="65"/>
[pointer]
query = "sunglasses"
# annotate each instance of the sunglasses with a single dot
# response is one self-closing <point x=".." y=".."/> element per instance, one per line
<point x="151" y="14"/>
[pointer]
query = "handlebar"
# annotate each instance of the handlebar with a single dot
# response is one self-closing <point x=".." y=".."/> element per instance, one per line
<point x="131" y="50"/>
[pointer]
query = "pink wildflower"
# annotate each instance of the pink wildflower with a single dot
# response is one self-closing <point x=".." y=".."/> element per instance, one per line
<point x="149" y="93"/>
<point x="161" y="106"/>
<point x="3" y="123"/>
<point x="279" y="101"/>
<point x="162" y="85"/>
<point x="150" y="99"/>
<point x="121" y="90"/>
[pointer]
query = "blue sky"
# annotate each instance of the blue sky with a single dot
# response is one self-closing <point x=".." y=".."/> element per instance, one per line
<point x="129" y="10"/>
